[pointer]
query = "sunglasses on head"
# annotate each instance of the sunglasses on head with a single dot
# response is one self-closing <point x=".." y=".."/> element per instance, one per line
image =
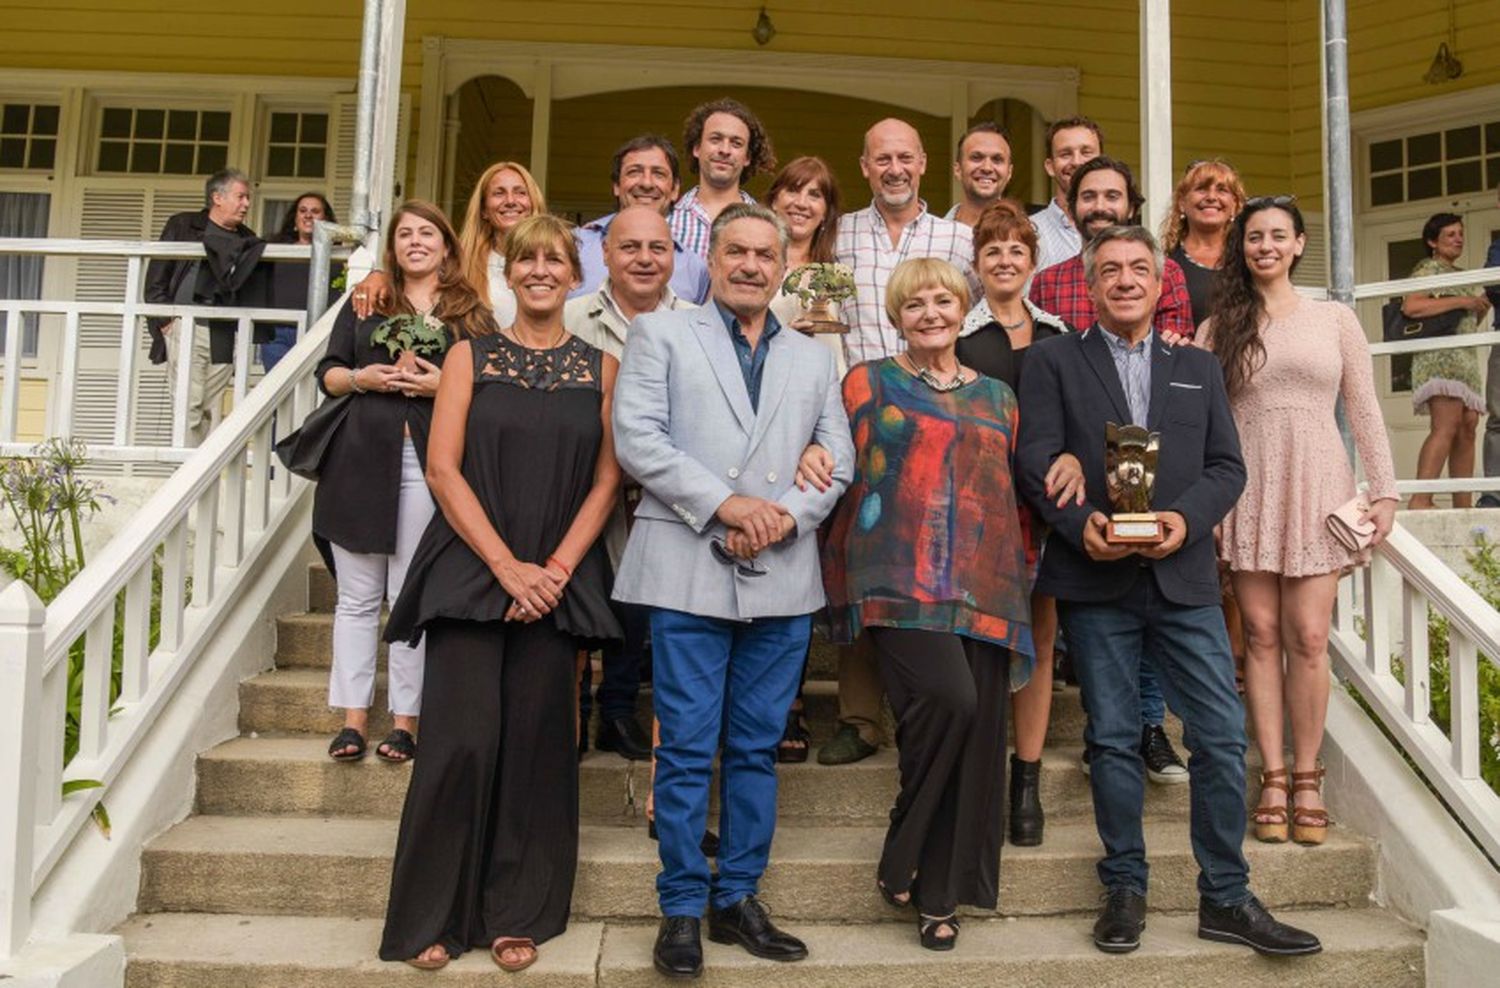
<point x="1260" y="202"/>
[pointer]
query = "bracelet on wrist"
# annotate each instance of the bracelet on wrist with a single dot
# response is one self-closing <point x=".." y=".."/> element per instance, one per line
<point x="354" y="382"/>
<point x="568" y="570"/>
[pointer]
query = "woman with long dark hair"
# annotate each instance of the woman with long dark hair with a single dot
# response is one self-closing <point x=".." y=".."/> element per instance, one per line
<point x="1287" y="360"/>
<point x="289" y="278"/>
<point x="372" y="501"/>
<point x="1445" y="383"/>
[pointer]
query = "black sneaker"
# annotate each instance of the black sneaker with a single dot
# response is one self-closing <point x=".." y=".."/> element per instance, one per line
<point x="1162" y="764"/>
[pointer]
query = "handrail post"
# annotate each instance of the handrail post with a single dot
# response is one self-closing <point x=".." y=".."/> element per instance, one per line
<point x="22" y="657"/>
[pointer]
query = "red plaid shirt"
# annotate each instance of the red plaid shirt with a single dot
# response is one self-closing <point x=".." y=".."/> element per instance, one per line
<point x="1061" y="291"/>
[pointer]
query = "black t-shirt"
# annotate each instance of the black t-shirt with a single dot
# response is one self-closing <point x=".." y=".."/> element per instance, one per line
<point x="1200" y="284"/>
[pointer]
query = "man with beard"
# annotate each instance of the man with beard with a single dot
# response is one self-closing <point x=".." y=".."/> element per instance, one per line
<point x="644" y="173"/>
<point x="983" y="166"/>
<point x="896" y="226"/>
<point x="728" y="148"/>
<point x="1102" y="194"/>
<point x="713" y="408"/>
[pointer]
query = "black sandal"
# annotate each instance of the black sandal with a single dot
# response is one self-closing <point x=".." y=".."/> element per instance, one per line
<point x="788" y="751"/>
<point x="890" y="897"/>
<point x="347" y="738"/>
<point x="398" y="746"/>
<point x="927" y="927"/>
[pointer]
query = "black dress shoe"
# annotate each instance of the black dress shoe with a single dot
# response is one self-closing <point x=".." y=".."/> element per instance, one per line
<point x="1118" y="928"/>
<point x="709" y="845"/>
<point x="748" y="924"/>
<point x="623" y="735"/>
<point x="1249" y="923"/>
<point x="678" y="952"/>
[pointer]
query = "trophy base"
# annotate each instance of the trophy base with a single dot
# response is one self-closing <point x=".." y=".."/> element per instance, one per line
<point x="1135" y="529"/>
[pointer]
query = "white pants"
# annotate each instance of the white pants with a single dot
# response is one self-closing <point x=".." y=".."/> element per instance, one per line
<point x="207" y="381"/>
<point x="365" y="580"/>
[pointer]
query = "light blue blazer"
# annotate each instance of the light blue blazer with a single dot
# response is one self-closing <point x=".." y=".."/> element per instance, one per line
<point x="684" y="428"/>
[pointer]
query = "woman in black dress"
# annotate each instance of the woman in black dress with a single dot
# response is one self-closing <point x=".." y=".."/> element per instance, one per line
<point x="994" y="340"/>
<point x="510" y="580"/>
<point x="372" y="502"/>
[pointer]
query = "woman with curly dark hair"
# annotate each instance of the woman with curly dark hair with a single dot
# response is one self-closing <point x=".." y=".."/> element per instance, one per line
<point x="1287" y="361"/>
<point x="726" y="147"/>
<point x="289" y="278"/>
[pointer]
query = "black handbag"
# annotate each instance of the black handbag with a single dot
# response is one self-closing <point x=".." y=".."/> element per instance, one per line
<point x="303" y="451"/>
<point x="1397" y="325"/>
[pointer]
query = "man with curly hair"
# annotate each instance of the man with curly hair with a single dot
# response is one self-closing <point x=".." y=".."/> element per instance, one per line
<point x="726" y="147"/>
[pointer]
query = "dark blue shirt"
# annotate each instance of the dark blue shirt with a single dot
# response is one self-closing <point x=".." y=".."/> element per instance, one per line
<point x="752" y="361"/>
<point x="1492" y="260"/>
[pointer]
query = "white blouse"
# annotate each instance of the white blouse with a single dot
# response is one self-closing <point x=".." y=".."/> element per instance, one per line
<point x="502" y="299"/>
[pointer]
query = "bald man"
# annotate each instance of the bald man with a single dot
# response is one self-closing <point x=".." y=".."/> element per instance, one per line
<point x="638" y="261"/>
<point x="895" y="226"/>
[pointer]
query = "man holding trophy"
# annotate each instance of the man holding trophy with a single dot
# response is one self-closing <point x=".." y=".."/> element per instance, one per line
<point x="1135" y="578"/>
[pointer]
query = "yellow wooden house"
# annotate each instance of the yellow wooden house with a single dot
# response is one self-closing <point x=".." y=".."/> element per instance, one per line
<point x="115" y="110"/>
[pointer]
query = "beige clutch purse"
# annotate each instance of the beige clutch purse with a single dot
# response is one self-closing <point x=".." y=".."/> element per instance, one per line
<point x="1346" y="526"/>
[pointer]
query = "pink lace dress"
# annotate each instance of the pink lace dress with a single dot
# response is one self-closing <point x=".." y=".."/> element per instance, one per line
<point x="1298" y="471"/>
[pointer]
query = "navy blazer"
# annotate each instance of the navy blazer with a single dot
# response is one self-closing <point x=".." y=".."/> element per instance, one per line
<point x="1068" y="393"/>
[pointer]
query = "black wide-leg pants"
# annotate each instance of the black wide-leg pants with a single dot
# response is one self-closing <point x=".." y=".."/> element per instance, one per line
<point x="489" y="834"/>
<point x="950" y="696"/>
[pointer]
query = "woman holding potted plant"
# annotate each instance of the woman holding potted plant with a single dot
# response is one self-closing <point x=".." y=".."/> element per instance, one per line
<point x="806" y="197"/>
<point x="372" y="501"/>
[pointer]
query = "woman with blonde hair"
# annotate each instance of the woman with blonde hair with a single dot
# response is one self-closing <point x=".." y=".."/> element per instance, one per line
<point x="504" y="195"/>
<point x="925" y="553"/>
<point x="1195" y="231"/>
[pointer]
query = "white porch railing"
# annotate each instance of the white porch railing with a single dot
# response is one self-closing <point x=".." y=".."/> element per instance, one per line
<point x="62" y="392"/>
<point x="1407" y="574"/>
<point x="203" y="532"/>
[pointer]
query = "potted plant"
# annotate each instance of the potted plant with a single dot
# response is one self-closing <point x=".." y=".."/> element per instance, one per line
<point x="821" y="287"/>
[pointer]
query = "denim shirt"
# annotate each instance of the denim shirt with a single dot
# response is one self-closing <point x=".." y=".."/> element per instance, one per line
<point x="752" y="361"/>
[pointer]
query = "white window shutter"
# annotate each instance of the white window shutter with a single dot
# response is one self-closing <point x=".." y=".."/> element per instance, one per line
<point x="342" y="127"/>
<point x="1312" y="271"/>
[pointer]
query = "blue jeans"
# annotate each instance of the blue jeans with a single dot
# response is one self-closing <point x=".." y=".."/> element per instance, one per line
<point x="272" y="352"/>
<point x="1190" y="651"/>
<point x="709" y="672"/>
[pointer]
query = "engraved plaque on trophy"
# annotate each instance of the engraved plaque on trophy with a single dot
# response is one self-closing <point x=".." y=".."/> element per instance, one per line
<point x="1130" y="478"/>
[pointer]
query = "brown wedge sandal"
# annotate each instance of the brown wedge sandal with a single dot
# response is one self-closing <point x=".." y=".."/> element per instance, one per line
<point x="423" y="963"/>
<point x="1271" y="821"/>
<point x="1309" y="826"/>
<point x="502" y="944"/>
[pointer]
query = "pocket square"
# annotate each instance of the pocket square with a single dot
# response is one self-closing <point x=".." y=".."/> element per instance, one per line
<point x="1182" y="384"/>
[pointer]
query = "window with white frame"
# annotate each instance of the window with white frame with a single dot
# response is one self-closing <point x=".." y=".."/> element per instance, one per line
<point x="1435" y="164"/>
<point x="146" y="140"/>
<point x="296" y="144"/>
<point x="28" y="136"/>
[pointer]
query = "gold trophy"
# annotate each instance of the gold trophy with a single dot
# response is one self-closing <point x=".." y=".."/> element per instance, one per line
<point x="1130" y="477"/>
<point x="821" y="287"/>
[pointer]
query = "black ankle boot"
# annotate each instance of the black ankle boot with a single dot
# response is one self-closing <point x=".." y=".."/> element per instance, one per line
<point x="1026" y="819"/>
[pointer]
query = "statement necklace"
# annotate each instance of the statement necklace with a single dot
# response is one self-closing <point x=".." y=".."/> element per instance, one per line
<point x="930" y="379"/>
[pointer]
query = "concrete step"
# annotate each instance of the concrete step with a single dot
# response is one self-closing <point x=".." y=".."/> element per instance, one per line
<point x="341" y="867"/>
<point x="295" y="701"/>
<point x="306" y="640"/>
<point x="294" y="775"/>
<point x="1360" y="947"/>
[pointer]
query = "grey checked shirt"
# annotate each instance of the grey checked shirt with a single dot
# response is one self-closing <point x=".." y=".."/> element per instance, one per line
<point x="1133" y="364"/>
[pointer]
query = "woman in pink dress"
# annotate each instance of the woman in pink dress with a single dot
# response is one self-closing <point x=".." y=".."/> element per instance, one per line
<point x="1286" y="362"/>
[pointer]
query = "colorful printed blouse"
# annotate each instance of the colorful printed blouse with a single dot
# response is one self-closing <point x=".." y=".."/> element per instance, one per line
<point x="927" y="535"/>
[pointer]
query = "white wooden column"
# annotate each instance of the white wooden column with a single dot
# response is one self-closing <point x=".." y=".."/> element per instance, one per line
<point x="541" y="121"/>
<point x="1156" y="110"/>
<point x="958" y="124"/>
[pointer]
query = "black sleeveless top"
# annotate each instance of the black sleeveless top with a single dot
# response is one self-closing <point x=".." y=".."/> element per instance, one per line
<point x="530" y="449"/>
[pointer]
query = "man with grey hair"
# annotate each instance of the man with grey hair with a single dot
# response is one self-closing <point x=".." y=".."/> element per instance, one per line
<point x="1125" y="604"/>
<point x="227" y="276"/>
<point x="712" y="409"/>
